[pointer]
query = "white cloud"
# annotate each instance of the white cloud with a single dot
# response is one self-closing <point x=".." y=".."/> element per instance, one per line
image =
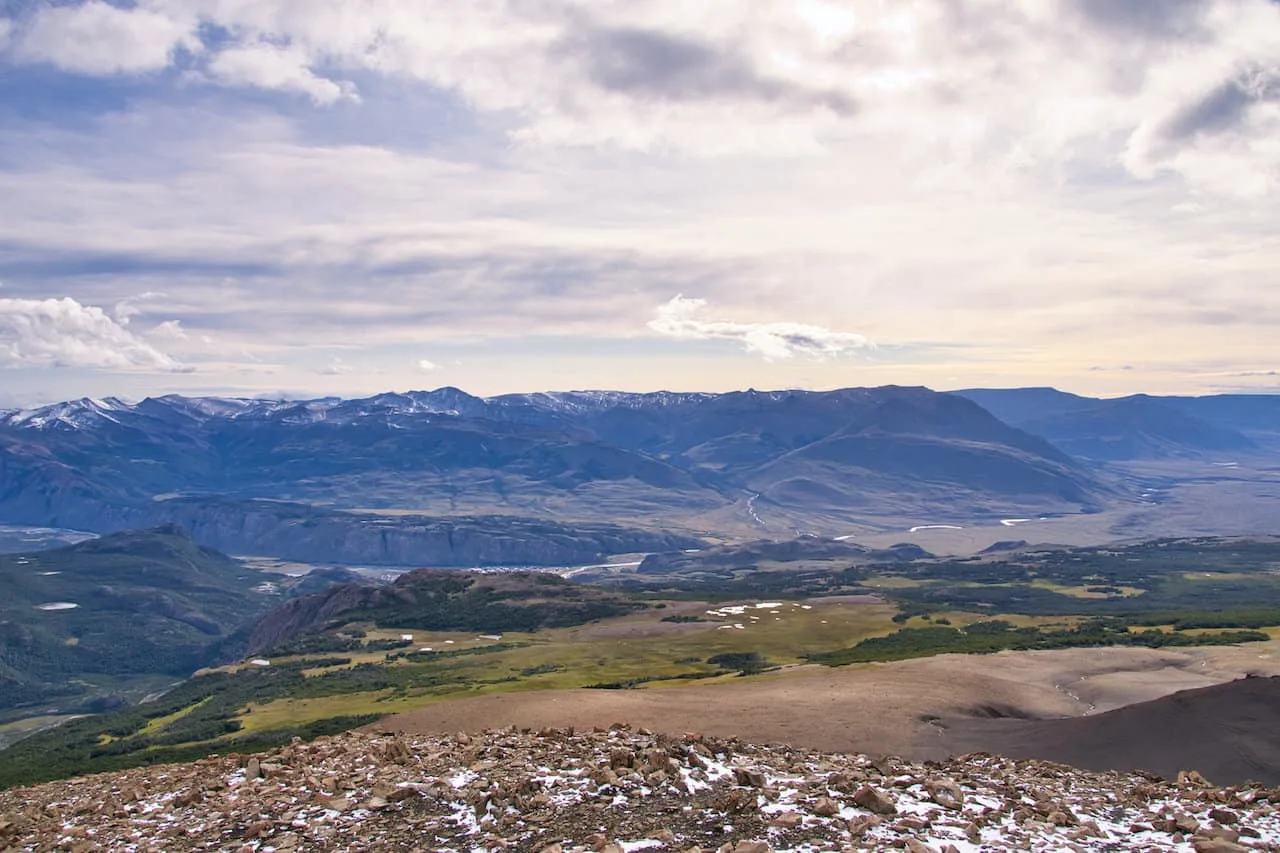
<point x="6" y="26"/>
<point x="1175" y="87"/>
<point x="922" y="167"/>
<point x="126" y="309"/>
<point x="336" y="367"/>
<point x="98" y="38"/>
<point x="678" y="319"/>
<point x="269" y="66"/>
<point x="427" y="366"/>
<point x="64" y="333"/>
<point x="170" y="330"/>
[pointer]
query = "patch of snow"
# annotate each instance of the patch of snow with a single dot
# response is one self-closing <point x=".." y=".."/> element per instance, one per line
<point x="642" y="844"/>
<point x="920" y="527"/>
<point x="58" y="605"/>
<point x="462" y="778"/>
<point x="259" y="662"/>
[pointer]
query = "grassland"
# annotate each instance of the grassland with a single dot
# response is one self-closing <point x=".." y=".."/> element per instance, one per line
<point x="639" y="648"/>
<point x="514" y="634"/>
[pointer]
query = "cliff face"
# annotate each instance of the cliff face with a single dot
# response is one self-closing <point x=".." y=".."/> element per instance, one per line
<point x="309" y="534"/>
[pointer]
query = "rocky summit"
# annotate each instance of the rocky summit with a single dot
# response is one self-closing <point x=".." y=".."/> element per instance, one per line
<point x="622" y="790"/>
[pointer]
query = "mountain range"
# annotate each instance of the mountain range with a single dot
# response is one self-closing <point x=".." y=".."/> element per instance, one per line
<point x="1139" y="427"/>
<point x="371" y="479"/>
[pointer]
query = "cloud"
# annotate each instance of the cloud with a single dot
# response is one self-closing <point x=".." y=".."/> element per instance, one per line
<point x="647" y="63"/>
<point x="1009" y="83"/>
<point x="520" y="173"/>
<point x="98" y="38"/>
<point x="126" y="309"/>
<point x="64" y="333"/>
<point x="678" y="319"/>
<point x="427" y="366"/>
<point x="285" y="69"/>
<point x="1131" y="18"/>
<point x="336" y="367"/>
<point x="170" y="330"/>
<point x="6" y="27"/>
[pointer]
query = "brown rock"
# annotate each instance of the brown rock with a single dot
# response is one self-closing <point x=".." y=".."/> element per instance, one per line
<point x="1193" y="778"/>
<point x="752" y="847"/>
<point x="862" y="823"/>
<point x="945" y="793"/>
<point x="1186" y="823"/>
<point x="1218" y="833"/>
<point x="825" y="807"/>
<point x="914" y="845"/>
<point x="1224" y="816"/>
<point x="749" y="778"/>
<point x="874" y="801"/>
<point x="253" y="769"/>
<point x="787" y="820"/>
<point x="1215" y="845"/>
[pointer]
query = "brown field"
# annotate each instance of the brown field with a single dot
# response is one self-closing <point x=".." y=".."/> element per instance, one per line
<point x="903" y="708"/>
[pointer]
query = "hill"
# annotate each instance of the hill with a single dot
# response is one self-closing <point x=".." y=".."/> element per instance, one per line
<point x="616" y="790"/>
<point x="1228" y="732"/>
<point x="76" y="619"/>
<point x="443" y="601"/>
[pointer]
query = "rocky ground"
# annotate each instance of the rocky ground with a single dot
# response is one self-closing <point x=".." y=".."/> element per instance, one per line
<point x="620" y="791"/>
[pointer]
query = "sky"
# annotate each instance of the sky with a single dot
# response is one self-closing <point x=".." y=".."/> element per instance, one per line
<point x="341" y="197"/>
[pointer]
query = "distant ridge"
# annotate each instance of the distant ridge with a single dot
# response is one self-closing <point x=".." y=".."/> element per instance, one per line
<point x="1138" y="427"/>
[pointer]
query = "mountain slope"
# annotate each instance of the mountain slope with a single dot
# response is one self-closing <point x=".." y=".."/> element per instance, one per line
<point x="628" y="789"/>
<point x="1256" y="416"/>
<point x="908" y="447"/>
<point x="124" y="605"/>
<point x="1139" y="427"/>
<point x="1228" y="732"/>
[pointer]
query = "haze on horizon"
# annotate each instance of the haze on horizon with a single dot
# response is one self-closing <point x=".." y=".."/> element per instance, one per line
<point x="332" y="197"/>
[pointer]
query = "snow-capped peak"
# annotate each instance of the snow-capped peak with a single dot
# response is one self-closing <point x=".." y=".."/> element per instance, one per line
<point x="76" y="414"/>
